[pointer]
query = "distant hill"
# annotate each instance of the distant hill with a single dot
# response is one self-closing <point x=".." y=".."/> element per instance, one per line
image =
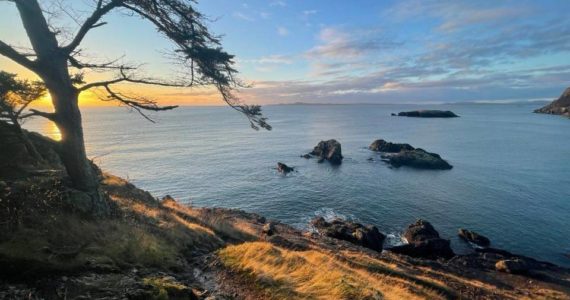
<point x="558" y="107"/>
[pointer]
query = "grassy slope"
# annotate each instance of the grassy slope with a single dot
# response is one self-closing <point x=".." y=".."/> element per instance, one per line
<point x="161" y="249"/>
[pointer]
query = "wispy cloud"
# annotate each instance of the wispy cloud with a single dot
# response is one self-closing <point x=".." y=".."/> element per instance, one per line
<point x="271" y="59"/>
<point x="278" y="3"/>
<point x="243" y="16"/>
<point x="454" y="15"/>
<point x="335" y="43"/>
<point x="282" y="31"/>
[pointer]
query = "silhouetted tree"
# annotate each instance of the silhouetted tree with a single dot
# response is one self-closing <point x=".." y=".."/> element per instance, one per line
<point x="15" y="96"/>
<point x="196" y="49"/>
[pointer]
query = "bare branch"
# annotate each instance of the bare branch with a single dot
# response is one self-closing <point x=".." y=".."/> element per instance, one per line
<point x="90" y="23"/>
<point x="125" y="78"/>
<point x="9" y="52"/>
<point x="112" y="65"/>
<point x="138" y="104"/>
<point x="34" y="112"/>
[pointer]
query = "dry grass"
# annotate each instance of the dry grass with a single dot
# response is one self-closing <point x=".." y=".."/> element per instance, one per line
<point x="312" y="274"/>
<point x="46" y="238"/>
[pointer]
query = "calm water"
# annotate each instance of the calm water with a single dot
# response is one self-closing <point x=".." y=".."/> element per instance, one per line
<point x="510" y="181"/>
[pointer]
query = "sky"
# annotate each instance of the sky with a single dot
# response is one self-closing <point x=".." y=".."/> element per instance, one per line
<point x="333" y="51"/>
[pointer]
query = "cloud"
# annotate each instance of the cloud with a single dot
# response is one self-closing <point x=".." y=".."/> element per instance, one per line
<point x="243" y="16"/>
<point x="264" y="15"/>
<point x="282" y="31"/>
<point x="278" y="3"/>
<point x="455" y="15"/>
<point x="396" y="85"/>
<point x="271" y="59"/>
<point x="336" y="43"/>
<point x="309" y="12"/>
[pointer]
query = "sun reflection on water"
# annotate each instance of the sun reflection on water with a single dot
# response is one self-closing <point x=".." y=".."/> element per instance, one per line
<point x="50" y="129"/>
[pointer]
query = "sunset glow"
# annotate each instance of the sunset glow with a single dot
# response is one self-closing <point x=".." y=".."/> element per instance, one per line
<point x="374" y="52"/>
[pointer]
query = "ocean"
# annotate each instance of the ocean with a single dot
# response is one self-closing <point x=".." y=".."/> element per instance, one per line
<point x="510" y="181"/>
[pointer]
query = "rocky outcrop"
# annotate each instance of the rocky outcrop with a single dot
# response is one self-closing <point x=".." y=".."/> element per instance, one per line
<point x="417" y="158"/>
<point x="428" y="114"/>
<point x="558" y="107"/>
<point x="405" y="155"/>
<point x="419" y="231"/>
<point x="473" y="237"/>
<point x="384" y="146"/>
<point x="268" y="229"/>
<point x="513" y="266"/>
<point x="283" y="168"/>
<point x="328" y="150"/>
<point x="367" y="236"/>
<point x="424" y="242"/>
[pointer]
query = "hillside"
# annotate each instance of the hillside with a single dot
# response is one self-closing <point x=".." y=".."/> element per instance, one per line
<point x="160" y="249"/>
<point x="561" y="106"/>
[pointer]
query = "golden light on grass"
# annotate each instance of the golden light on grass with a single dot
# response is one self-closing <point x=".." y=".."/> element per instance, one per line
<point x="314" y="274"/>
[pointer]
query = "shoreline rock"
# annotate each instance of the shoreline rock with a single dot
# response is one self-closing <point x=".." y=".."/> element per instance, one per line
<point x="424" y="242"/>
<point x="473" y="237"/>
<point x="561" y="106"/>
<point x="327" y="150"/>
<point x="513" y="266"/>
<point x="428" y="114"/>
<point x="366" y="236"/>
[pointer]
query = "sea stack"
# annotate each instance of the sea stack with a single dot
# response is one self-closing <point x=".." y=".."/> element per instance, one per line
<point x="405" y="155"/>
<point x="428" y="114"/>
<point x="328" y="150"/>
<point x="558" y="107"/>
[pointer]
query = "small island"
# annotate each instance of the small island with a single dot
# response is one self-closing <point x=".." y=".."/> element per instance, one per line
<point x="427" y="114"/>
<point x="557" y="107"/>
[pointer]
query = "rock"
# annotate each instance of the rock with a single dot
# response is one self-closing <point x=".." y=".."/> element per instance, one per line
<point x="417" y="158"/>
<point x="558" y="107"/>
<point x="513" y="266"/>
<point x="307" y="156"/>
<point x="428" y="114"/>
<point x="474" y="237"/>
<point x="424" y="242"/>
<point x="283" y="168"/>
<point x="367" y="236"/>
<point x="430" y="249"/>
<point x="405" y="155"/>
<point x="295" y="245"/>
<point x="383" y="146"/>
<point x="268" y="229"/>
<point x="328" y="150"/>
<point x="167" y="199"/>
<point x="419" y="231"/>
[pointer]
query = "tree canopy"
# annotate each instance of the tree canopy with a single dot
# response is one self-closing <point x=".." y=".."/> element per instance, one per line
<point x="196" y="50"/>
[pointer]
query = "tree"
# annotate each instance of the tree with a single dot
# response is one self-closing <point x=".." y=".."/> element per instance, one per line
<point x="196" y="49"/>
<point x="15" y="96"/>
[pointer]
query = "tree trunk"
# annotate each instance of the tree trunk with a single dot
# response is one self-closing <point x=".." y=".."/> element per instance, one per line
<point x="52" y="68"/>
<point x="72" y="150"/>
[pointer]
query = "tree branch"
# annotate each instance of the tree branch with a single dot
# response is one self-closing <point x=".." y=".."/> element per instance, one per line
<point x="21" y="59"/>
<point x="90" y="23"/>
<point x="137" y="104"/>
<point x="106" y="66"/>
<point x="125" y="78"/>
<point x="49" y="116"/>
